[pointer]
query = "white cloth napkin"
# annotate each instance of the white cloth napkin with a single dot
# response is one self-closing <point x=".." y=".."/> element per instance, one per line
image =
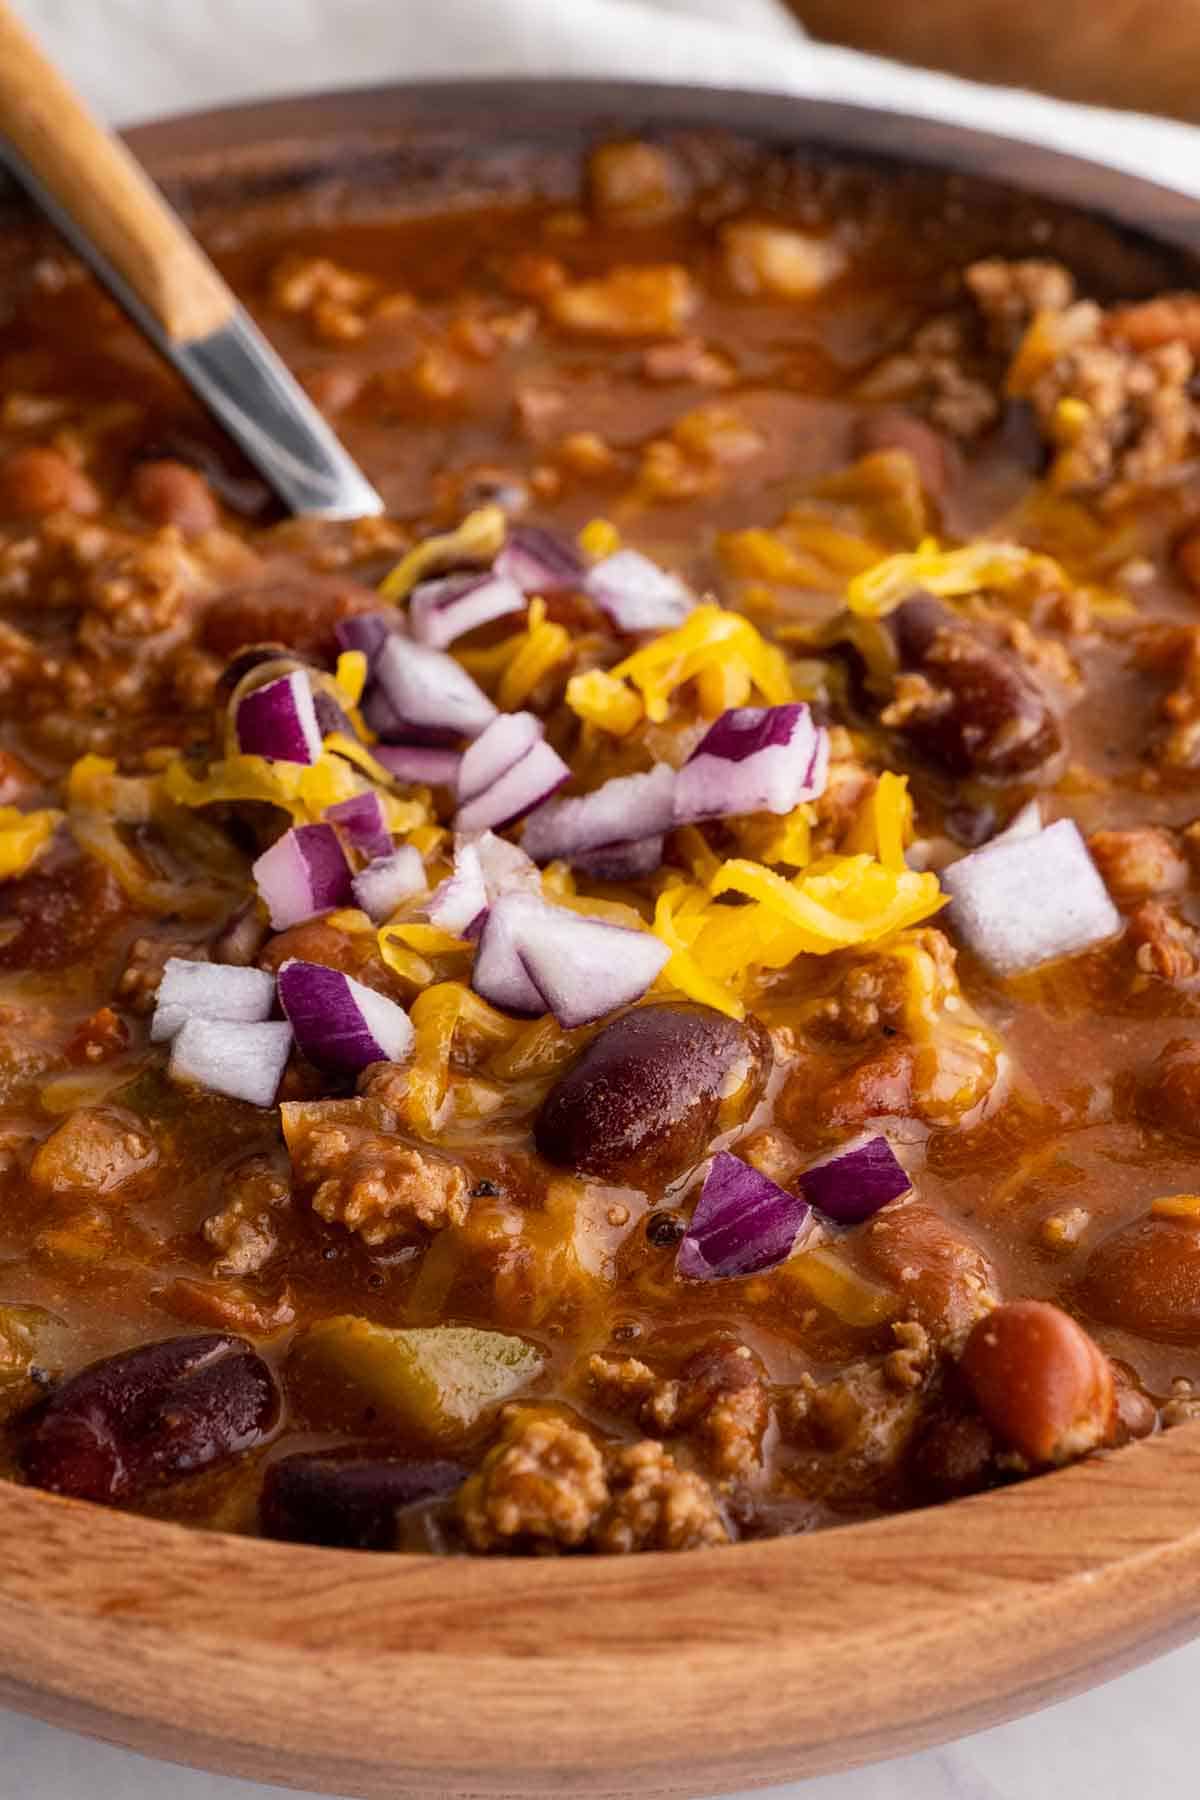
<point x="140" y="59"/>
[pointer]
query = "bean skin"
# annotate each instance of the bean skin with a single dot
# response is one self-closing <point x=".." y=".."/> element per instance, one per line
<point x="938" y="1270"/>
<point x="133" y="1422"/>
<point x="167" y="492"/>
<point x="347" y="1500"/>
<point x="649" y="1093"/>
<point x="1041" y="1383"/>
<point x="987" y="716"/>
<point x="36" y="481"/>
<point x="1145" y="1278"/>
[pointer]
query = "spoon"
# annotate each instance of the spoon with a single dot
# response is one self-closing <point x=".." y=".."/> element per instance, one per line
<point x="103" y="203"/>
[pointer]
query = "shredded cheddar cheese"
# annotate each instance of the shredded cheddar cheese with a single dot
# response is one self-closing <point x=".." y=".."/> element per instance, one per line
<point x="721" y="651"/>
<point x="479" y="539"/>
<point x="951" y="574"/>
<point x="23" y="837"/>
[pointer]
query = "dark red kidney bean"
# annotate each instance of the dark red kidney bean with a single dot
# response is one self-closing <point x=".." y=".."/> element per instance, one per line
<point x="892" y="428"/>
<point x="1168" y="1094"/>
<point x="148" y="1416"/>
<point x="648" y="1094"/>
<point x="952" y="1457"/>
<point x="346" y="1500"/>
<point x="987" y="716"/>
<point x="1145" y="1278"/>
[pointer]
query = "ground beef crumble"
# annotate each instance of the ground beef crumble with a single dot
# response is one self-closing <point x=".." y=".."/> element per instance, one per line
<point x="355" y="1172"/>
<point x="547" y="1486"/>
<point x="718" y="1400"/>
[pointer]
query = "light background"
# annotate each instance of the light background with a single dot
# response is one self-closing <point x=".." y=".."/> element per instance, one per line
<point x="1137" y="1738"/>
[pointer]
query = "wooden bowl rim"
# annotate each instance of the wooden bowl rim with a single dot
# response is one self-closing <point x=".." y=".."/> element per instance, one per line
<point x="651" y="1674"/>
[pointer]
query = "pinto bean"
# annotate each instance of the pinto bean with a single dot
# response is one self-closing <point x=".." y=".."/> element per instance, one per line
<point x="148" y="1416"/>
<point x="1045" y="1388"/>
<point x="983" y="714"/>
<point x="648" y="1094"/>
<point x="345" y="1499"/>
<point x="167" y="492"/>
<point x="1145" y="1278"/>
<point x="38" y="481"/>
<point x="938" y="1270"/>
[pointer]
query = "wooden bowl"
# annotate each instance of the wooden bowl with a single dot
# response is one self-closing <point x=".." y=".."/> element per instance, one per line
<point x="648" y="1675"/>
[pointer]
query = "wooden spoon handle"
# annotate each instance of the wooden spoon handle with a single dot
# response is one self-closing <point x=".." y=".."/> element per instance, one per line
<point x="92" y="178"/>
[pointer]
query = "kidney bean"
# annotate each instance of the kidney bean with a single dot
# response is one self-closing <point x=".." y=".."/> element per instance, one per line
<point x="1146" y="1278"/>
<point x="240" y="490"/>
<point x="953" y="1457"/>
<point x="148" y="1416"/>
<point x="38" y="481"/>
<point x="649" y="1093"/>
<point x="987" y="716"/>
<point x="1168" y="1094"/>
<point x="938" y="1270"/>
<point x="299" y="610"/>
<point x="345" y="1499"/>
<point x="1043" y="1385"/>
<point x="168" y="492"/>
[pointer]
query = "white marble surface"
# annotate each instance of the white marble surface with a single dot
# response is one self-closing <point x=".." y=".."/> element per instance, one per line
<point x="1137" y="1738"/>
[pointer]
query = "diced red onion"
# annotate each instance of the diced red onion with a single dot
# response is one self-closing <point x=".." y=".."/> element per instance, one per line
<point x="622" y="862"/>
<point x="585" y="968"/>
<point x="423" y="763"/>
<point x="367" y="632"/>
<point x="753" y="759"/>
<point x="539" y="562"/>
<point x="363" y="822"/>
<point x="499" y="974"/>
<point x="627" y="807"/>
<point x="443" y="610"/>
<point x="388" y="881"/>
<point x="500" y="745"/>
<point x="279" y="720"/>
<point x="462" y="899"/>
<point x="1022" y="901"/>
<point x="538" y="774"/>
<point x="533" y="957"/>
<point x="331" y="716"/>
<point x="743" y="1224"/>
<point x="245" y="1061"/>
<point x="304" y="873"/>
<point x="853" y="1183"/>
<point x="203" y="990"/>
<point x="636" y="594"/>
<point x="428" y="690"/>
<point x="506" y="868"/>
<point x="340" y="1024"/>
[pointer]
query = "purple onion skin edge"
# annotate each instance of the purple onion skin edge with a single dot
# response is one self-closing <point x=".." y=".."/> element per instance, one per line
<point x="855" y="1184"/>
